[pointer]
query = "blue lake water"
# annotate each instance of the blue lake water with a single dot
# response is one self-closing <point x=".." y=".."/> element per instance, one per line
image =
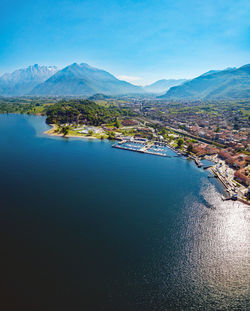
<point x="84" y="226"/>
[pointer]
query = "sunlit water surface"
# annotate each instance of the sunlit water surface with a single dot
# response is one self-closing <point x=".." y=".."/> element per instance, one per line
<point x="84" y="226"/>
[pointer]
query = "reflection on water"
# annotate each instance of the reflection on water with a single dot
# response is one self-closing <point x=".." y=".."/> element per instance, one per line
<point x="84" y="226"/>
<point x="214" y="254"/>
<point x="208" y="268"/>
<point x="201" y="264"/>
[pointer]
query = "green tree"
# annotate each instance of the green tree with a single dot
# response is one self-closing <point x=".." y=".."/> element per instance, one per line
<point x="117" y="123"/>
<point x="180" y="142"/>
<point x="190" y="148"/>
<point x="150" y="136"/>
<point x="163" y="132"/>
<point x="171" y="137"/>
<point x="90" y="132"/>
<point x="236" y="126"/>
<point x="65" y="130"/>
<point x="217" y="129"/>
<point x="111" y="135"/>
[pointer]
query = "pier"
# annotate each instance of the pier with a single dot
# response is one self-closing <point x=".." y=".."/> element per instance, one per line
<point x="207" y="167"/>
<point x="196" y="160"/>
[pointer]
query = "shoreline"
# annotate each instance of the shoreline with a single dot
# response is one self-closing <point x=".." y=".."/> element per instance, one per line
<point x="211" y="169"/>
<point x="51" y="132"/>
<point x="228" y="187"/>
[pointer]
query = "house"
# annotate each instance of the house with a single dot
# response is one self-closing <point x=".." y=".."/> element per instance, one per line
<point x="129" y="122"/>
<point x="224" y="154"/>
<point x="240" y="176"/>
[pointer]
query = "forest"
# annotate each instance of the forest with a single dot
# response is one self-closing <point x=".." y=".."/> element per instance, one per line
<point x="84" y="111"/>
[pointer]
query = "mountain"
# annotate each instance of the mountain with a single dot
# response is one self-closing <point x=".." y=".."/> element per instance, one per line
<point x="82" y="79"/>
<point x="161" y="86"/>
<point x="22" y="81"/>
<point x="231" y="83"/>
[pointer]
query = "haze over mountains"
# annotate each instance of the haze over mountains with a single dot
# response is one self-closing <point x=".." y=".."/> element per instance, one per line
<point x="161" y="86"/>
<point x="84" y="80"/>
<point x="22" y="81"/>
<point x="231" y="83"/>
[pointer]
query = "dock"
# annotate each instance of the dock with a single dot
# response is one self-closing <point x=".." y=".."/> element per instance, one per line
<point x="231" y="194"/>
<point x="140" y="147"/>
<point x="196" y="160"/>
<point x="208" y="166"/>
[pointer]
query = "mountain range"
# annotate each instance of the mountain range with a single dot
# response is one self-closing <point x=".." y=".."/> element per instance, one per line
<point x="84" y="80"/>
<point x="231" y="83"/>
<point x="22" y="81"/>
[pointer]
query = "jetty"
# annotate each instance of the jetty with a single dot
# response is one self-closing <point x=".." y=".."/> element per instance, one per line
<point x="196" y="160"/>
<point x="208" y="166"/>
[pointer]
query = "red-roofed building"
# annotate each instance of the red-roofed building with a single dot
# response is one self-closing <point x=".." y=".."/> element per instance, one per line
<point x="129" y="122"/>
<point x="240" y="175"/>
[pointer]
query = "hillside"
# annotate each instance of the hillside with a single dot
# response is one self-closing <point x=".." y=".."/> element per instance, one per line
<point x="84" y="80"/>
<point x="231" y="83"/>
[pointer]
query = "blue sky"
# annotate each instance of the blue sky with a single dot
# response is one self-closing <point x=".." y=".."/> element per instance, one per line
<point x="141" y="41"/>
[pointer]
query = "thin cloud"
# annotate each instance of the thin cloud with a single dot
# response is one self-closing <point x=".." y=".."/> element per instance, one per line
<point x="130" y="79"/>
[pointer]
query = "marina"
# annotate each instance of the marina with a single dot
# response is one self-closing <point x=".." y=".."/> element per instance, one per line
<point x="160" y="148"/>
<point x="142" y="147"/>
<point x="155" y="148"/>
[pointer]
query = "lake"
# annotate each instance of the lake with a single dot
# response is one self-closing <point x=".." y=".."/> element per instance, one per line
<point x="84" y="226"/>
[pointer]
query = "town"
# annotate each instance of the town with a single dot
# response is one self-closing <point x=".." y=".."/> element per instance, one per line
<point x="218" y="132"/>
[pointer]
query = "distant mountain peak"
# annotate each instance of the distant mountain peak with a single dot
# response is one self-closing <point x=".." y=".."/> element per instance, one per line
<point x="22" y="81"/>
<point x="39" y="70"/>
<point x="86" y="65"/>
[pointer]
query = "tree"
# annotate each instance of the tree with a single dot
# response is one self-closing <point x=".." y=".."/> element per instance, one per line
<point x="180" y="142"/>
<point x="171" y="137"/>
<point x="65" y="130"/>
<point x="77" y="111"/>
<point x="111" y="135"/>
<point x="163" y="132"/>
<point x="90" y="132"/>
<point x="150" y="136"/>
<point x="190" y="148"/>
<point x="165" y="136"/>
<point x="58" y="127"/>
<point x="236" y="126"/>
<point x="217" y="129"/>
<point x="117" y="123"/>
